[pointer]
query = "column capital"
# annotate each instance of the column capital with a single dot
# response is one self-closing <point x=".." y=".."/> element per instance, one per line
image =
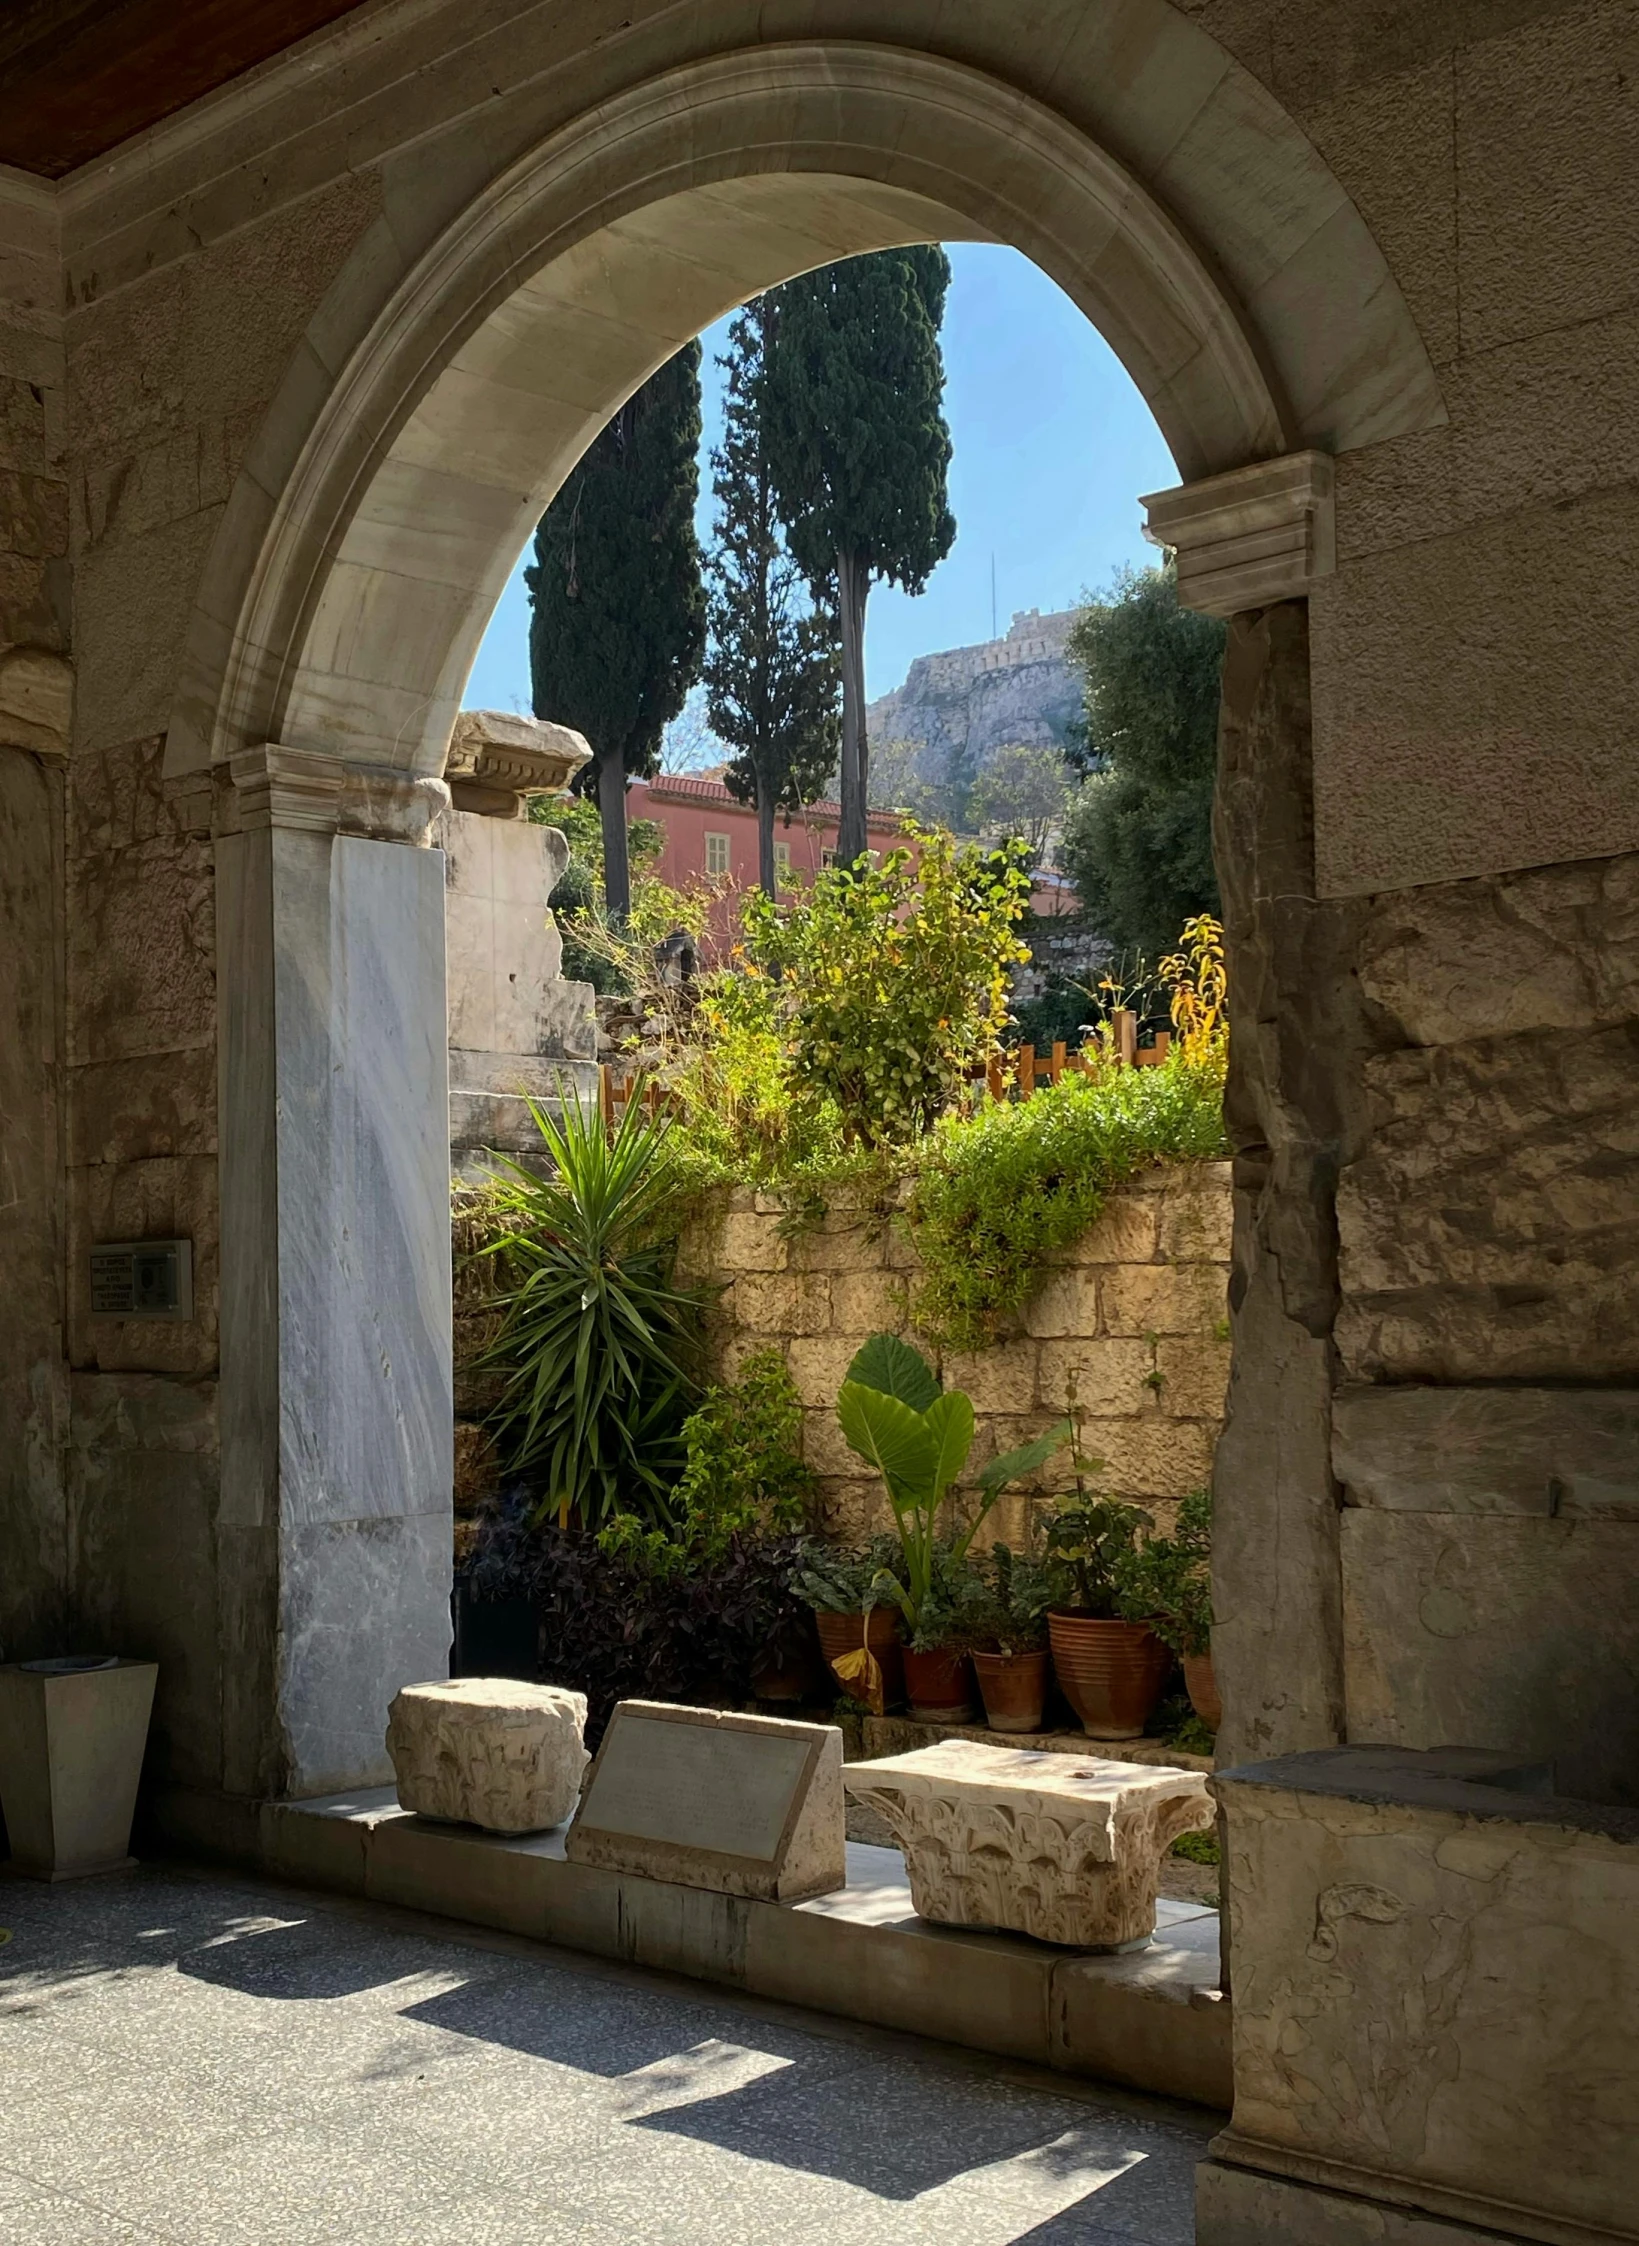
<point x="498" y="759"/>
<point x="1253" y="536"/>
<point x="311" y="791"/>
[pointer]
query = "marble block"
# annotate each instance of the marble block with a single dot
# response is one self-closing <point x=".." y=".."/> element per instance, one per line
<point x="489" y="1751"/>
<point x="742" y="1805"/>
<point x="1065" y="1847"/>
<point x="1436" y="1978"/>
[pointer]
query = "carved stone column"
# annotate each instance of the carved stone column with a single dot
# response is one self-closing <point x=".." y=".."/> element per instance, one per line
<point x="1249" y="544"/>
<point x="334" y="1525"/>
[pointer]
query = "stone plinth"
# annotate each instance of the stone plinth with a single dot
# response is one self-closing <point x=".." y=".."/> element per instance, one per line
<point x="742" y="1805"/>
<point x="488" y="1751"/>
<point x="1436" y="1977"/>
<point x="1066" y="1849"/>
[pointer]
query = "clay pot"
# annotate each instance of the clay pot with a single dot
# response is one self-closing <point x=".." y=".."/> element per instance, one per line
<point x="1202" y="1686"/>
<point x="939" y="1686"/>
<point x="1014" y="1687"/>
<point x="1110" y="1672"/>
<point x="843" y="1634"/>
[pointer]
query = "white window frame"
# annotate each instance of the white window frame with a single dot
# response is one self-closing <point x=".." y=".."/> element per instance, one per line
<point x="718" y="843"/>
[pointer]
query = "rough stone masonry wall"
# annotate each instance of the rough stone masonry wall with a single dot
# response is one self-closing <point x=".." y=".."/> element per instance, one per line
<point x="1134" y="1313"/>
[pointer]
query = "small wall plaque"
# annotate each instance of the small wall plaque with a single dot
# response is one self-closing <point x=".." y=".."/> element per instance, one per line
<point x="142" y="1279"/>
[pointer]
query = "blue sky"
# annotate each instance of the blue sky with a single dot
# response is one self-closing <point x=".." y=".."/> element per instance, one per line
<point x="1052" y="445"/>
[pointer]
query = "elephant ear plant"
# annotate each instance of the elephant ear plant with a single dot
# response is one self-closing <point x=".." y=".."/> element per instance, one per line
<point x="598" y="1342"/>
<point x="896" y="1415"/>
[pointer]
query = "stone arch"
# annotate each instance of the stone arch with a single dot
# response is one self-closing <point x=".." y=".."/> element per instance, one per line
<point x="343" y="607"/>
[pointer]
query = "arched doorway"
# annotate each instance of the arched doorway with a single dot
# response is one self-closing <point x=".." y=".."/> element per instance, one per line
<point x="443" y="391"/>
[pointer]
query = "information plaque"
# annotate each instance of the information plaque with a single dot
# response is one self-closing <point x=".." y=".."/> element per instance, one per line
<point x="745" y="1805"/>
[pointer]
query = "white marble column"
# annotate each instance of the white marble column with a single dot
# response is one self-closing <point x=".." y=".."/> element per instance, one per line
<point x="334" y="1529"/>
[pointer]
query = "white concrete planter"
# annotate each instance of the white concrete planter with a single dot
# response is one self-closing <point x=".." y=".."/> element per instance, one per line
<point x="71" y="1742"/>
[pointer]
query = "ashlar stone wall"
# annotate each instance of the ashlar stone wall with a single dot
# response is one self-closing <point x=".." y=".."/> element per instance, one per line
<point x="1134" y="1314"/>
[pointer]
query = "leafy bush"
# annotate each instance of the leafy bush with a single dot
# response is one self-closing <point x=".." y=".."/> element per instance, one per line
<point x="613" y="1628"/>
<point x="597" y="1342"/>
<point x="595" y="950"/>
<point x="897" y="1416"/>
<point x="1011" y="1613"/>
<point x="739" y="1120"/>
<point x="998" y="1192"/>
<point x="1091" y="1548"/>
<point x="892" y="980"/>
<point x="1169" y="1582"/>
<point x="834" y="1581"/>
<point x="744" y="1474"/>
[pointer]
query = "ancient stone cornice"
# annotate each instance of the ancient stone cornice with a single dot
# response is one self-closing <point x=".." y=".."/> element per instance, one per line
<point x="1255" y="535"/>
<point x="310" y="791"/>
<point x="499" y="759"/>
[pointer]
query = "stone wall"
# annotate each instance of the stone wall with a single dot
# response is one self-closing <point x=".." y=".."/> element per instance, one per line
<point x="1134" y="1314"/>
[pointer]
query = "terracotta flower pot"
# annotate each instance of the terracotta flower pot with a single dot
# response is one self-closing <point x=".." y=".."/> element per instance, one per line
<point x="843" y="1636"/>
<point x="1110" y="1672"/>
<point x="939" y="1686"/>
<point x="1014" y="1686"/>
<point x="1202" y="1686"/>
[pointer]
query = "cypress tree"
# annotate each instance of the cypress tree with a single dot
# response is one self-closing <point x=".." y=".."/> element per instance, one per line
<point x="859" y="450"/>
<point x="771" y="673"/>
<point x="618" y="623"/>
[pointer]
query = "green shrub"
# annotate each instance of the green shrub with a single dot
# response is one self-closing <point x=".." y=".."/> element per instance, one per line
<point x="597" y="1343"/>
<point x="897" y="1415"/>
<point x="1169" y="1583"/>
<point x="890" y="981"/>
<point x="1197" y="1848"/>
<point x="739" y="1119"/>
<point x="998" y="1192"/>
<point x="745" y="1474"/>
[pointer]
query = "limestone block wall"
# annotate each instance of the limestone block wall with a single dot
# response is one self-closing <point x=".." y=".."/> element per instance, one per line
<point x="1135" y="1314"/>
<point x="1486" y="1427"/>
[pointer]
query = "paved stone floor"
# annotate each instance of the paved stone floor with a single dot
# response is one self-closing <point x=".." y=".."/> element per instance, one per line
<point x="213" y="2062"/>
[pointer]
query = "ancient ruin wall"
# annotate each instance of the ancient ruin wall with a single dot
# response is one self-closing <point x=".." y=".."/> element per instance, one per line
<point x="1135" y="1312"/>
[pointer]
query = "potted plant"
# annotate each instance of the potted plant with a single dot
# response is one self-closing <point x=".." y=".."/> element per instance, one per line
<point x="939" y="1681"/>
<point x="1110" y="1668"/>
<point x="858" y="1636"/>
<point x="1170" y="1587"/>
<point x="897" y="1415"/>
<point x="1010" y="1659"/>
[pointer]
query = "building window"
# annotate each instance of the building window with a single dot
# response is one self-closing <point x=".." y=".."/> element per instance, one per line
<point x="716" y="853"/>
<point x="828" y="857"/>
<point x="782" y="861"/>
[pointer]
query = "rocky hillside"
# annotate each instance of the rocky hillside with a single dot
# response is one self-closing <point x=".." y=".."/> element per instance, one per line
<point x="961" y="705"/>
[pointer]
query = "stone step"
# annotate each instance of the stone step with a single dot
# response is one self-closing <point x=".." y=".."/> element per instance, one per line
<point x="1152" y="2020"/>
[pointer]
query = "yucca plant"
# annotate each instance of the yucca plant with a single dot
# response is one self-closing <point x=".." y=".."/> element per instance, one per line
<point x="599" y="1343"/>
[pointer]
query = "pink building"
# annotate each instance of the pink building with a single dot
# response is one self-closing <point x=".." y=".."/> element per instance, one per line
<point x="712" y="837"/>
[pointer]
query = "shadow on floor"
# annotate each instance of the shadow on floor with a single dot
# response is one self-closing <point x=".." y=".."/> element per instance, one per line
<point x="296" y="1963"/>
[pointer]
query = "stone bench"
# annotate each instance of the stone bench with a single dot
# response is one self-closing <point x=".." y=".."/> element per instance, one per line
<point x="489" y="1751"/>
<point x="1066" y="1848"/>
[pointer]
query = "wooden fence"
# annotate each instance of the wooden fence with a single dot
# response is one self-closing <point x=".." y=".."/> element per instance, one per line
<point x="1010" y="1075"/>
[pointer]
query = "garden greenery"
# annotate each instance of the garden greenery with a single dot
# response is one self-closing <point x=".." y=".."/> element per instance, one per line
<point x="889" y="982"/>
<point x="598" y="1343"/>
<point x="895" y="1413"/>
<point x="997" y="1194"/>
